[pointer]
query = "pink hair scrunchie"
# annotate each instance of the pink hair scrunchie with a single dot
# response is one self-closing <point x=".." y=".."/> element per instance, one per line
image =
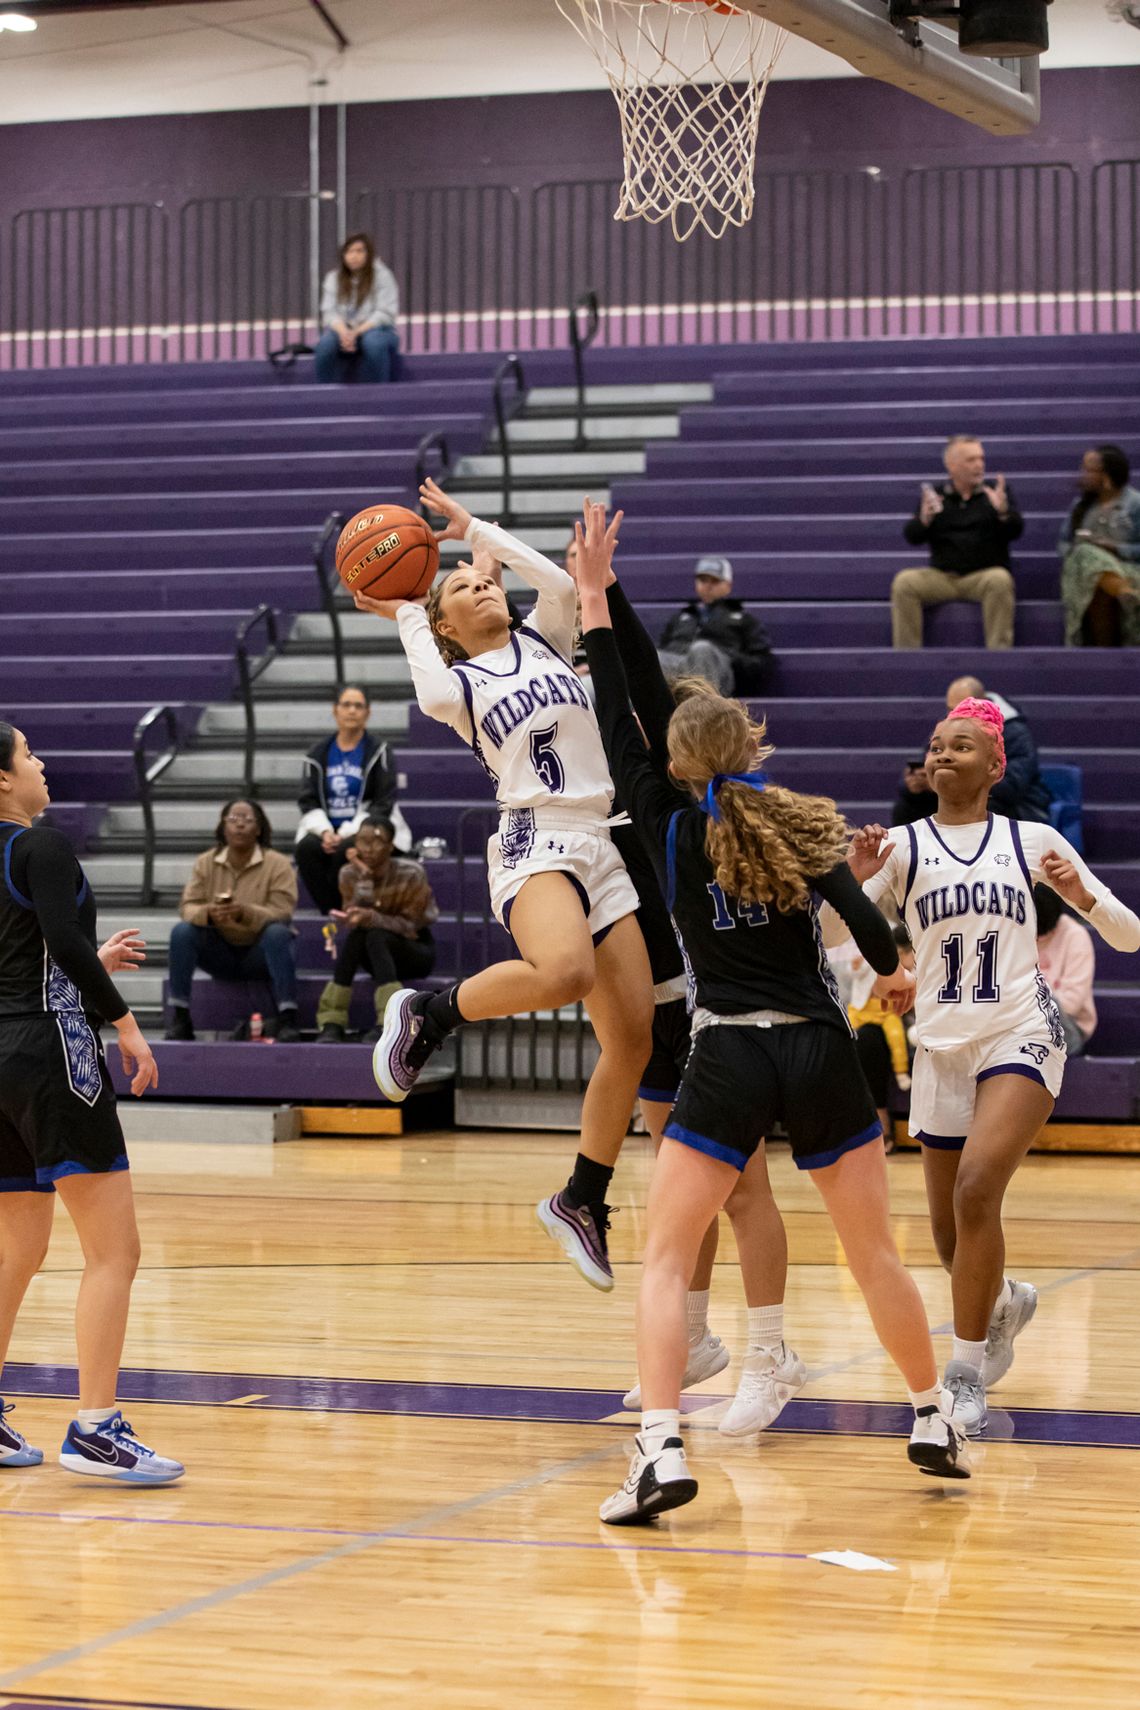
<point x="988" y="715"/>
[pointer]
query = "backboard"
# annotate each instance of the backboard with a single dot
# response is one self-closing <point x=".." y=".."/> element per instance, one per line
<point x="999" y="95"/>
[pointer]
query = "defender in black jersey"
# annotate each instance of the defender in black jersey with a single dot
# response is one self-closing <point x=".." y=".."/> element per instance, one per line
<point x="59" y="1129"/>
<point x="771" y="1372"/>
<point x="742" y="875"/>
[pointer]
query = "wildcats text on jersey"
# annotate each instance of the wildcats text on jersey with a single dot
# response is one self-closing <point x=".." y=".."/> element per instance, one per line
<point x="553" y="689"/>
<point x="948" y="902"/>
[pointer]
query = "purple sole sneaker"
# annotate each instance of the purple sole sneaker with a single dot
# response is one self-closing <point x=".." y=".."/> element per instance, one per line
<point x="393" y="1073"/>
<point x="576" y="1232"/>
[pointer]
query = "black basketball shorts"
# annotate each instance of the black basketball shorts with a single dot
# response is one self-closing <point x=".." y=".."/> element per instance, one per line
<point x="58" y="1113"/>
<point x="672" y="1042"/>
<point x="741" y="1081"/>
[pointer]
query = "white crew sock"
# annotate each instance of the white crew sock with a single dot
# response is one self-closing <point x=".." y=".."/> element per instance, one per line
<point x="1005" y="1295"/>
<point x="657" y="1424"/>
<point x="765" y="1328"/>
<point x="90" y="1418"/>
<point x="697" y="1314"/>
<point x="969" y="1353"/>
<point x="926" y="1397"/>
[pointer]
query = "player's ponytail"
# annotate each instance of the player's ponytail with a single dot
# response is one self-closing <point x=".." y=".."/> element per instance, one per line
<point x="7" y="745"/>
<point x="766" y="843"/>
<point x="449" y="648"/>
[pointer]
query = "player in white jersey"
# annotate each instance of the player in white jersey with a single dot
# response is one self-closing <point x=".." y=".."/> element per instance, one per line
<point x="991" y="1049"/>
<point x="557" y="883"/>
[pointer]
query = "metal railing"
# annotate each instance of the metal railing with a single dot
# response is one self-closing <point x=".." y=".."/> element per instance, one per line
<point x="1001" y="247"/>
<point x="334" y="522"/>
<point x="436" y="442"/>
<point x="509" y="368"/>
<point x="146" y="776"/>
<point x="580" y="340"/>
<point x="249" y="668"/>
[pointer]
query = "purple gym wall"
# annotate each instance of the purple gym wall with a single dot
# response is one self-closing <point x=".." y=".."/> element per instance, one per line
<point x="478" y="269"/>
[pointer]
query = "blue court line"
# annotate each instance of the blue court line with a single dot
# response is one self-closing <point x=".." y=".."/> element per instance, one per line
<point x="510" y="1403"/>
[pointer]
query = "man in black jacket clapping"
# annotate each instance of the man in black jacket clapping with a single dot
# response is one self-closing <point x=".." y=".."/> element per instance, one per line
<point x="714" y="637"/>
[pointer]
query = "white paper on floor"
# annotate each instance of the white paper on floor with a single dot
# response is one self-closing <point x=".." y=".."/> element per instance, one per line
<point x="855" y="1560"/>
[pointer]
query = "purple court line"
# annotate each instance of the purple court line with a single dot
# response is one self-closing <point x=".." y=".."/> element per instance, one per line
<point x="533" y="1405"/>
<point x="404" y="1537"/>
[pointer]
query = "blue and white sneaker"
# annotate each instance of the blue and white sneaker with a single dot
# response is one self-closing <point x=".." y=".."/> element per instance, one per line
<point x="15" y="1451"/>
<point x="113" y="1451"/>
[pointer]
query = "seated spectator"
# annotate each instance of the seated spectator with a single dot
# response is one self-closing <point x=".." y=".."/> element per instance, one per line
<point x="346" y="778"/>
<point x="968" y="526"/>
<point x="387" y="913"/>
<point x="1067" y="959"/>
<point x="881" y="1040"/>
<point x="714" y="637"/>
<point x="1100" y="552"/>
<point x="359" y="304"/>
<point x="237" y="909"/>
<point x="1019" y="795"/>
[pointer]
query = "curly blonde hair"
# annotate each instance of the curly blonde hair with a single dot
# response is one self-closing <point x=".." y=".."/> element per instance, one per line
<point x="449" y="648"/>
<point x="767" y="845"/>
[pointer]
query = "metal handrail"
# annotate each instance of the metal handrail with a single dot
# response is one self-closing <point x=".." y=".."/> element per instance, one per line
<point x="334" y="522"/>
<point x="431" y="442"/>
<point x="510" y="365"/>
<point x="579" y="342"/>
<point x="146" y="776"/>
<point x="247" y="677"/>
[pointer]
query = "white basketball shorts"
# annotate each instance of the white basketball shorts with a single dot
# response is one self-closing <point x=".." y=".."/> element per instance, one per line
<point x="531" y="841"/>
<point x="945" y="1083"/>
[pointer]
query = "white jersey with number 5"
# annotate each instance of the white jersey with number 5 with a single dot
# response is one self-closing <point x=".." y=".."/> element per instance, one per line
<point x="966" y="895"/>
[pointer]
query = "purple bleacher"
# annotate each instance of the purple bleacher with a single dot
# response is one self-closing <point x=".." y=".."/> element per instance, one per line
<point x="221" y="1004"/>
<point x="339" y="1074"/>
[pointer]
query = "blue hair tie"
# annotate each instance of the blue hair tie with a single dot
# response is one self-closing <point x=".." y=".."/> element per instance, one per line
<point x="754" y="780"/>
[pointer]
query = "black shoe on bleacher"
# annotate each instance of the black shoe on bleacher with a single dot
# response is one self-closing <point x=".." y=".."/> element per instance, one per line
<point x="332" y="1033"/>
<point x="181" y="1028"/>
<point x="288" y="1033"/>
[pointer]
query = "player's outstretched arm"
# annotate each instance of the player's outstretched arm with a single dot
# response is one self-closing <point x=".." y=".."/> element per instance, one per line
<point x="1053" y="859"/>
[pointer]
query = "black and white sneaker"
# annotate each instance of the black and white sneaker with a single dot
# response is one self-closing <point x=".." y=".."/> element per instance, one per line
<point x="656" y="1483"/>
<point x="406" y="1042"/>
<point x="938" y="1444"/>
<point x="15" y="1450"/>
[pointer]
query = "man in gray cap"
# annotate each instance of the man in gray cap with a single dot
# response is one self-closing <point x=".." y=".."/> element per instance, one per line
<point x="714" y="637"/>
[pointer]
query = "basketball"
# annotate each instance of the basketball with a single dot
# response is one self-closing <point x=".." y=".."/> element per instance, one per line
<point x="387" y="552"/>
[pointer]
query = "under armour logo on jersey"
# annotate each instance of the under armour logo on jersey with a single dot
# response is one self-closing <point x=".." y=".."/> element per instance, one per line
<point x="556" y="848"/>
<point x="932" y="860"/>
<point x="1003" y="860"/>
<point x="1037" y="1052"/>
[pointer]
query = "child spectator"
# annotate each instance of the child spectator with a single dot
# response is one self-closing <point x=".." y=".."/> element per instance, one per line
<point x="1067" y="959"/>
<point x="881" y="1038"/>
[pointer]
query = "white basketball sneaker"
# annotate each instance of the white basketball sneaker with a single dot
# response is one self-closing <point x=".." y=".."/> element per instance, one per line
<point x="767" y="1383"/>
<point x="938" y="1444"/>
<point x="657" y="1482"/>
<point x="969" y="1392"/>
<point x="706" y="1358"/>
<point x="1006" y="1324"/>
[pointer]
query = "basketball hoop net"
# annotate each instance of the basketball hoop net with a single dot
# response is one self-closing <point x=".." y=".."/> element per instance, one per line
<point x="689" y="78"/>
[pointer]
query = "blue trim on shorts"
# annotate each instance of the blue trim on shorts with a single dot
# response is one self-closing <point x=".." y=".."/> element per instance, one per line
<point x="821" y="1160"/>
<point x="54" y="1173"/>
<point x="658" y="1095"/>
<point x="941" y="1142"/>
<point x="18" y="897"/>
<point x="701" y="1143"/>
<point x="23" y="1184"/>
<point x="1015" y="1069"/>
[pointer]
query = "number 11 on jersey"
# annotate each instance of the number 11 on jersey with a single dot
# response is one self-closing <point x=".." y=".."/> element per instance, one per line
<point x="986" y="988"/>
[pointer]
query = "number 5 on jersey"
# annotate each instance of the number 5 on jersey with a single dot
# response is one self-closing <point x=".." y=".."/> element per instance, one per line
<point x="545" y="761"/>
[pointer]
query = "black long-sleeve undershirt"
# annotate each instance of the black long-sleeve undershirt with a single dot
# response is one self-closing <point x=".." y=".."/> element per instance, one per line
<point x="45" y="870"/>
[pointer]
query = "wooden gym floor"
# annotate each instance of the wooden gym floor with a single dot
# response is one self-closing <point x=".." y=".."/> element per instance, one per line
<point x="397" y="1404"/>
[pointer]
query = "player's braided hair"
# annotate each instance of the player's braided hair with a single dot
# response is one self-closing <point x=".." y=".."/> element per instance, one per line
<point x="7" y="744"/>
<point x="449" y="648"/>
<point x="768" y="844"/>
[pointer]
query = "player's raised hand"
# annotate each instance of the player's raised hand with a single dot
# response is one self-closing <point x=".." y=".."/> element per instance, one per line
<point x="595" y="542"/>
<point x="137" y="1056"/>
<point x="895" y="992"/>
<point x="123" y="950"/>
<point x="383" y="608"/>
<point x="458" y="520"/>
<point x="1064" y="878"/>
<point x="868" y="852"/>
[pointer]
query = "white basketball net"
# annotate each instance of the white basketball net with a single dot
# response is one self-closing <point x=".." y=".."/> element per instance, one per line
<point x="689" y="79"/>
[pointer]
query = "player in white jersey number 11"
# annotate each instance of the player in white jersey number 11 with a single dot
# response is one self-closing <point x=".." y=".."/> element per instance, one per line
<point x="557" y="883"/>
<point x="991" y="1049"/>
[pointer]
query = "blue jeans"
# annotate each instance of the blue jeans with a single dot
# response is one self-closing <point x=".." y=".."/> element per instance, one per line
<point x="272" y="956"/>
<point x="373" y="360"/>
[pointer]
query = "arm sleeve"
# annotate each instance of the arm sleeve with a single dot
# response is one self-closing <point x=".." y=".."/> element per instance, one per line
<point x="194" y="906"/>
<point x="916" y="531"/>
<point x="1114" y="920"/>
<point x="438" y="690"/>
<point x="1129" y="550"/>
<point x="1066" y="538"/>
<point x="867" y="925"/>
<point x="556" y="609"/>
<point x="45" y="870"/>
<point x="386" y="296"/>
<point x="328" y="299"/>
<point x="643" y="786"/>
<point x="380" y="788"/>
<point x="754" y="643"/>
<point x="1013" y="522"/>
<point x="652" y="701"/>
<point x="281" y="901"/>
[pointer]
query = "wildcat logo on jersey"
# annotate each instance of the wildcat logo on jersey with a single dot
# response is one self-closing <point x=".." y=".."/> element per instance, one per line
<point x="982" y="897"/>
<point x="1003" y="860"/>
<point x="553" y="689"/>
<point x="1037" y="1052"/>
